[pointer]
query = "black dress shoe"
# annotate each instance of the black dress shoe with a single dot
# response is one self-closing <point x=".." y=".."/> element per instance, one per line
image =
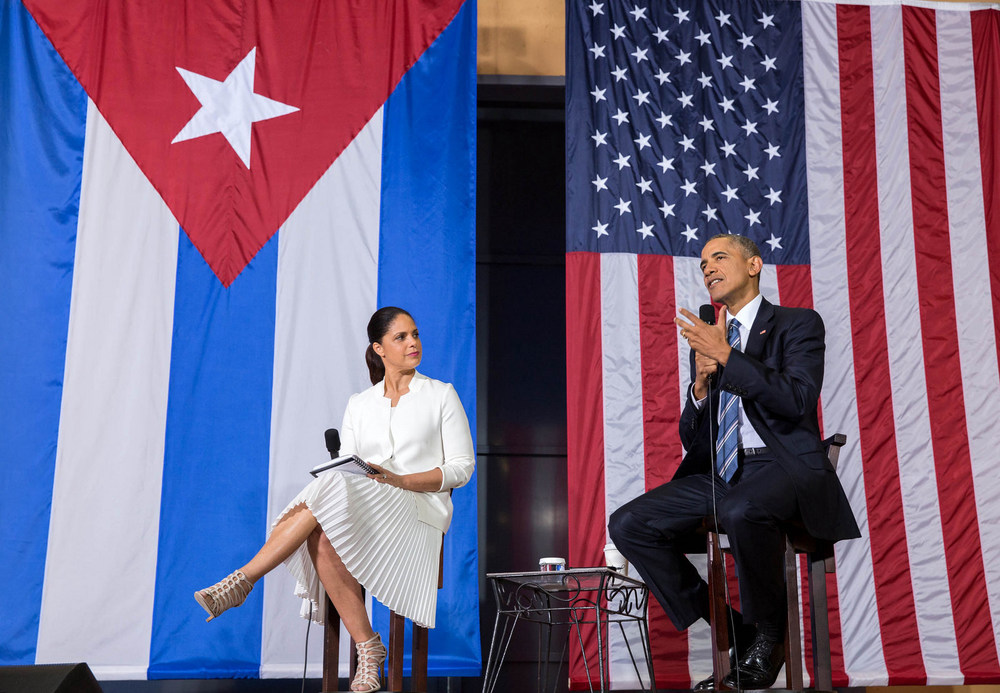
<point x="744" y="640"/>
<point x="759" y="667"/>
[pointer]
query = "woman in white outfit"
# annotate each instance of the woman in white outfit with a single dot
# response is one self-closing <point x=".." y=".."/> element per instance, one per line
<point x="384" y="530"/>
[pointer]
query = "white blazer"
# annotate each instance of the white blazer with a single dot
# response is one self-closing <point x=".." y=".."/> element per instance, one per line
<point x="426" y="429"/>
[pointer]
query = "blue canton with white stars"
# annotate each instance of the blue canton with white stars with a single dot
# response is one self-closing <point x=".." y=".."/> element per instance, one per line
<point x="685" y="120"/>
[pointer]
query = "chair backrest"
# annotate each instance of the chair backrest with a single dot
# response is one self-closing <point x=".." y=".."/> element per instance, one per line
<point x="833" y="445"/>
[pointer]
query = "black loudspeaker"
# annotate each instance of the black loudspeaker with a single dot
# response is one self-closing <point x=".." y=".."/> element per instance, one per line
<point x="48" y="678"/>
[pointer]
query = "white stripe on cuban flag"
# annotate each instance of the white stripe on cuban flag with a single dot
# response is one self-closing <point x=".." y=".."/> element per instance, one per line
<point x="327" y="287"/>
<point x="103" y="533"/>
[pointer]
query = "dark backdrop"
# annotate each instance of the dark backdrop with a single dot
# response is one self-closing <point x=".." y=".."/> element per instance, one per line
<point x="521" y="341"/>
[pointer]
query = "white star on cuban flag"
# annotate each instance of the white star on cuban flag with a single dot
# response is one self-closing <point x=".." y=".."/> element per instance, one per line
<point x="229" y="107"/>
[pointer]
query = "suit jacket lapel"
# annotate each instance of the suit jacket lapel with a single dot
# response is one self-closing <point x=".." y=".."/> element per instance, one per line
<point x="761" y="330"/>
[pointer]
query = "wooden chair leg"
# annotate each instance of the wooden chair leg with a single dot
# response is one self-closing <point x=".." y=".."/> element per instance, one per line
<point x="820" y="617"/>
<point x="793" y="640"/>
<point x="418" y="661"/>
<point x="331" y="649"/>
<point x="396" y="627"/>
<point x="717" y="610"/>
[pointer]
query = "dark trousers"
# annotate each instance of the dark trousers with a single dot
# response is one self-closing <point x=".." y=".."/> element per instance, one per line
<point x="653" y="531"/>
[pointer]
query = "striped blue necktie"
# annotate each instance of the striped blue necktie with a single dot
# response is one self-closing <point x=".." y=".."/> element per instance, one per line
<point x="727" y="442"/>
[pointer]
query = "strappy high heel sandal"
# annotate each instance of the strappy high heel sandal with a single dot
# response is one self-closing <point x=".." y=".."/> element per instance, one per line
<point x="229" y="592"/>
<point x="371" y="655"/>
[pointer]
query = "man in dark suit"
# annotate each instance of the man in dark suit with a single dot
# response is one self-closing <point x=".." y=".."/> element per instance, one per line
<point x="767" y="467"/>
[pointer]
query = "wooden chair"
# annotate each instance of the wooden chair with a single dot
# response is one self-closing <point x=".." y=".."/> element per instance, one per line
<point x="394" y="648"/>
<point x="820" y="562"/>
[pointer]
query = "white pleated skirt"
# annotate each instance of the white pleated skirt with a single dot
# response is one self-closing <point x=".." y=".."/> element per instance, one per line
<point x="375" y="531"/>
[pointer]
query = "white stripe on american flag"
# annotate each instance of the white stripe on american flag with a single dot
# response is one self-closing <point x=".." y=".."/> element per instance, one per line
<point x="326" y="291"/>
<point x="862" y="638"/>
<point x="913" y="440"/>
<point x="623" y="431"/>
<point x="623" y="435"/>
<point x="690" y="293"/>
<point x="977" y="340"/>
<point x="769" y="285"/>
<point x="689" y="288"/>
<point x="111" y="430"/>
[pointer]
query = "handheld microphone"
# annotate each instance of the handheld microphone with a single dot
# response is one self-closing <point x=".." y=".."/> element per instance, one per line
<point x="707" y="314"/>
<point x="332" y="442"/>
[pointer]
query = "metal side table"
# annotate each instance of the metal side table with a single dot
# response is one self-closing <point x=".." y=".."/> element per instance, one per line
<point x="576" y="597"/>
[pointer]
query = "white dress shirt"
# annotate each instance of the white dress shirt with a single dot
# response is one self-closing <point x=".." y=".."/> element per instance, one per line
<point x="426" y="429"/>
<point x="749" y="438"/>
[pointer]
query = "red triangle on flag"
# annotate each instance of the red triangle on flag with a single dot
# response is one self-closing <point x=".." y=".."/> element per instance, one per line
<point x="296" y="82"/>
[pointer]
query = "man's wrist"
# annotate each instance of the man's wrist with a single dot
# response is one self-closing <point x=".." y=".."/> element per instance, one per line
<point x="697" y="401"/>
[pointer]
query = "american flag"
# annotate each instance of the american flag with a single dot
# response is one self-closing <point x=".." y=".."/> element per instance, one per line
<point x="855" y="145"/>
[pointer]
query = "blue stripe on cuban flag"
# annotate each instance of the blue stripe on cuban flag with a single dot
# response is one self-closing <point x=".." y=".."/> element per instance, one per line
<point x="429" y="146"/>
<point x="215" y="468"/>
<point x="42" y="130"/>
<point x="160" y="487"/>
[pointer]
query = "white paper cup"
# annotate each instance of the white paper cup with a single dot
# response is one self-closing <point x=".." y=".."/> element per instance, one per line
<point x="614" y="559"/>
<point x="551" y="563"/>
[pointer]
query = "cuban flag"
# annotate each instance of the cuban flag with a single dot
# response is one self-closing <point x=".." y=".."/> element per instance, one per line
<point x="201" y="204"/>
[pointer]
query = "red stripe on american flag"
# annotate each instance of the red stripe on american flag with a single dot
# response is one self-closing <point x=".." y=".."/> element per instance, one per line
<point x="870" y="343"/>
<point x="795" y="285"/>
<point x="584" y="410"/>
<point x="660" y="378"/>
<point x="836" y="634"/>
<point x="661" y="438"/>
<point x="986" y="58"/>
<point x="584" y="426"/>
<point x="985" y="29"/>
<point x="795" y="289"/>
<point x="945" y="401"/>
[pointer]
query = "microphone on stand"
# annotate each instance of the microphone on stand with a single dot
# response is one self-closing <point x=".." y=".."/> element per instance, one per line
<point x="707" y="315"/>
<point x="332" y="442"/>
